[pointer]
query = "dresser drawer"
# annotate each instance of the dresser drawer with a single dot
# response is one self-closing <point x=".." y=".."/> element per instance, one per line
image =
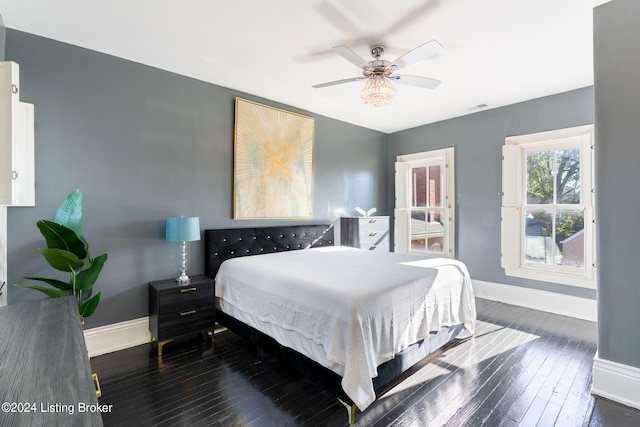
<point x="371" y="230"/>
<point x="373" y="238"/>
<point x="377" y="224"/>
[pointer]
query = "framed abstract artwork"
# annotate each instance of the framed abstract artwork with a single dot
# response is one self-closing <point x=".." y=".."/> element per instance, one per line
<point x="273" y="163"/>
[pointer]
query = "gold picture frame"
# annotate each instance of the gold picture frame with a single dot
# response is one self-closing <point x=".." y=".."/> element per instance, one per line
<point x="273" y="163"/>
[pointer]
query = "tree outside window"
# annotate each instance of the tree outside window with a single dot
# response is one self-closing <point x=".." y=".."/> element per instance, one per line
<point x="553" y="179"/>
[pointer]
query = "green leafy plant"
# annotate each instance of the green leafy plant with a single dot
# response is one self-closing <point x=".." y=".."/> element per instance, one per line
<point x="68" y="251"/>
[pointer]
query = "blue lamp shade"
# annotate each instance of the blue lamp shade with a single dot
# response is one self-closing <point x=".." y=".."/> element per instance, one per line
<point x="183" y="229"/>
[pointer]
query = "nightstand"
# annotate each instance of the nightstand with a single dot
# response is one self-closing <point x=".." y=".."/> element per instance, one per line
<point x="178" y="310"/>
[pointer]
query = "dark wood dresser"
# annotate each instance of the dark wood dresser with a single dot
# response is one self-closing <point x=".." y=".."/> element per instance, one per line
<point x="370" y="233"/>
<point x="45" y="375"/>
<point x="177" y="310"/>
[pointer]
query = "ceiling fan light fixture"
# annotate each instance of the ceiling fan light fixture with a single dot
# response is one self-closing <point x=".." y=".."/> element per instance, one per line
<point x="377" y="91"/>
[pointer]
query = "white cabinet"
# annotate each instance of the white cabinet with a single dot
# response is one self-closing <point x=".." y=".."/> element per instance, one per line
<point x="17" y="171"/>
<point x="23" y="174"/>
<point x="370" y="232"/>
<point x="9" y="99"/>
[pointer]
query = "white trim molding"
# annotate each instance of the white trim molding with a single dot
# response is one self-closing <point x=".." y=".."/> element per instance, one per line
<point x="566" y="305"/>
<point x="117" y="336"/>
<point x="616" y="381"/>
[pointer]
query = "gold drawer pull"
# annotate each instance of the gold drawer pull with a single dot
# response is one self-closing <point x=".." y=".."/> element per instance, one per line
<point x="94" y="377"/>
<point x="188" y="290"/>
<point x="188" y="313"/>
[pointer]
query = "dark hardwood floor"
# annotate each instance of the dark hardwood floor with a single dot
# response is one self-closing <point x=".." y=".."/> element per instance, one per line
<point x="524" y="368"/>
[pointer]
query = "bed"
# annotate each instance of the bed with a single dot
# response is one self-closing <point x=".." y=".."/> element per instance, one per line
<point x="353" y="320"/>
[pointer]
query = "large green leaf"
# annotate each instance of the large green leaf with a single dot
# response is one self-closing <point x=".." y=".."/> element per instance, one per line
<point x="51" y="293"/>
<point x="88" y="307"/>
<point x="87" y="278"/>
<point x="63" y="286"/>
<point x="61" y="237"/>
<point x="62" y="260"/>
<point x="69" y="213"/>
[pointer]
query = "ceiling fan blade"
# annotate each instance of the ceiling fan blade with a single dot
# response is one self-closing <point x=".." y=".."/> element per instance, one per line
<point x="412" y="16"/>
<point x="351" y="56"/>
<point x="338" y="82"/>
<point x="418" y="81"/>
<point x="417" y="54"/>
<point x="337" y="18"/>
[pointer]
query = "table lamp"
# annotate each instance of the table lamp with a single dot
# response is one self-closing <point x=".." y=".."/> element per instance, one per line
<point x="183" y="229"/>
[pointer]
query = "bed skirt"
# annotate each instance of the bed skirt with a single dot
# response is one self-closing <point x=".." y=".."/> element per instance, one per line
<point x="390" y="373"/>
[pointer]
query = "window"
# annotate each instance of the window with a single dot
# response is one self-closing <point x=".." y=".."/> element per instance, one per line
<point x="424" y="214"/>
<point x="548" y="230"/>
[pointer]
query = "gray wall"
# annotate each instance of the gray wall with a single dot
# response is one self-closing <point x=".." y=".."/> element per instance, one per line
<point x="3" y="35"/>
<point x="617" y="100"/>
<point x="478" y="140"/>
<point x="144" y="144"/>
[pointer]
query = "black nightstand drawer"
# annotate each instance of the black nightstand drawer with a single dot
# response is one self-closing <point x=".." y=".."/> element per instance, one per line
<point x="185" y="298"/>
<point x="173" y="325"/>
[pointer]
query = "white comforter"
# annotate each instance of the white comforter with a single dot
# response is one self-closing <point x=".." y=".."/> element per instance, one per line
<point x="348" y="309"/>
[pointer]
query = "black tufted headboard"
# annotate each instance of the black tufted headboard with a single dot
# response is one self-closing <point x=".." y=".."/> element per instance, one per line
<point x="220" y="245"/>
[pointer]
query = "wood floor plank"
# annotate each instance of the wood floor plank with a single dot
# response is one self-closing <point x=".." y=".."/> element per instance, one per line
<point x="433" y="375"/>
<point x="577" y="407"/>
<point x="518" y="381"/>
<point x="431" y="404"/>
<point x="545" y="393"/>
<point x="472" y="410"/>
<point x="549" y="415"/>
<point x="489" y="401"/>
<point x="524" y="367"/>
<point x="521" y="405"/>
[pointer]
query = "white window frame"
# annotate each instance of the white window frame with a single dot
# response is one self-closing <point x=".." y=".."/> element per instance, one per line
<point x="514" y="205"/>
<point x="403" y="208"/>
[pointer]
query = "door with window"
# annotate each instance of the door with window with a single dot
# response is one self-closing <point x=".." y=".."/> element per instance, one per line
<point x="424" y="213"/>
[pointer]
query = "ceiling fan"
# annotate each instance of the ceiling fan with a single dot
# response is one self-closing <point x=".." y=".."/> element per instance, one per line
<point x="378" y="90"/>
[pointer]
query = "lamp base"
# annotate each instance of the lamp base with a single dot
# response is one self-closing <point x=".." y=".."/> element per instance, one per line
<point x="183" y="279"/>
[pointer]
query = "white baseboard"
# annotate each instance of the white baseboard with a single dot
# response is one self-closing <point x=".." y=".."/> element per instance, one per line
<point x="616" y="381"/>
<point x="117" y="336"/>
<point x="551" y="302"/>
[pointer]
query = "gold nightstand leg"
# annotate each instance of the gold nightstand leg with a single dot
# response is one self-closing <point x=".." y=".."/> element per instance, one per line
<point x="160" y="345"/>
<point x="96" y="382"/>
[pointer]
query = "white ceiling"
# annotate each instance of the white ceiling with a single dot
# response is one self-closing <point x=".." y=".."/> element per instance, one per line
<point x="496" y="52"/>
